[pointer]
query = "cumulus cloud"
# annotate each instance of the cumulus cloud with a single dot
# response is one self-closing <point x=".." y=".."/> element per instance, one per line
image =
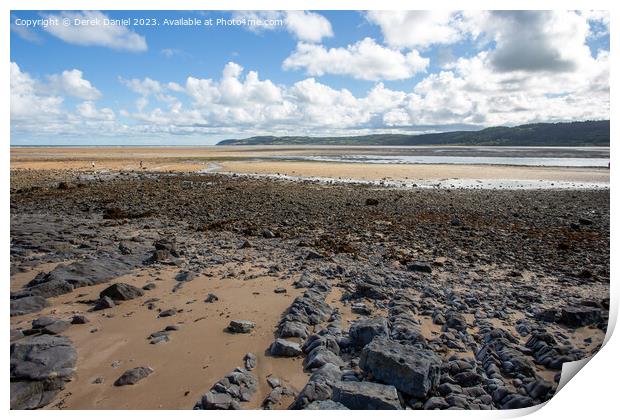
<point x="110" y="36"/>
<point x="303" y="25"/>
<point x="308" y="26"/>
<point x="417" y="29"/>
<point x="27" y="100"/>
<point x="38" y="106"/>
<point x="364" y="60"/>
<point x="72" y="83"/>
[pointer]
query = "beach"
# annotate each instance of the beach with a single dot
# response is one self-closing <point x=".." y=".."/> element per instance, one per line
<point x="493" y="288"/>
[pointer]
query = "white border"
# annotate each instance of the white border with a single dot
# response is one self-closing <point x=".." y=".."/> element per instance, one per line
<point x="592" y="394"/>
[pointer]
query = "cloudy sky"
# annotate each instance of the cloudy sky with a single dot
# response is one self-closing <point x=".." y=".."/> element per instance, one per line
<point x="301" y="73"/>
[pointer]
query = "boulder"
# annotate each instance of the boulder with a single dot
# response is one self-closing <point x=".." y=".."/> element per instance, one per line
<point x="285" y="348"/>
<point x="411" y="370"/>
<point x="363" y="331"/>
<point x="121" y="291"/>
<point x="325" y="405"/>
<point x="580" y="316"/>
<point x="366" y="396"/>
<point x="40" y="367"/>
<point x="27" y="305"/>
<point x="103" y="303"/>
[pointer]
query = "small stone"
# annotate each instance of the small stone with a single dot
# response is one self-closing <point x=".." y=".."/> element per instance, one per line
<point x="249" y="361"/>
<point x="211" y="298"/>
<point x="241" y="326"/>
<point x="149" y="286"/>
<point x="279" y="290"/>
<point x="79" y="319"/>
<point x="121" y="291"/>
<point x="132" y="376"/>
<point x="167" y="313"/>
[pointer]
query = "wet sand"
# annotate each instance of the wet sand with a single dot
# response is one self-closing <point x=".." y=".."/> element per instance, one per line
<point x="247" y="160"/>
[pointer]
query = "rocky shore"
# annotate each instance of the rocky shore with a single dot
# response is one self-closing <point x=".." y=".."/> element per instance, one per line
<point x="319" y="296"/>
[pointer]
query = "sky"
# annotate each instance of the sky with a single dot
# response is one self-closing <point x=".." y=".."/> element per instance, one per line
<point x="167" y="77"/>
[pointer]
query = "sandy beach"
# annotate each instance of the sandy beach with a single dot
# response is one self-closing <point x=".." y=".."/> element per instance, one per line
<point x="320" y="269"/>
<point x="255" y="160"/>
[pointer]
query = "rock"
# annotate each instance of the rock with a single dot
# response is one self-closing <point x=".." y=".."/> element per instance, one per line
<point x="43" y="322"/>
<point x="411" y="370"/>
<point x="292" y="329"/>
<point x="241" y="326"/>
<point x="249" y="361"/>
<point x="284" y="348"/>
<point x="360" y="308"/>
<point x="211" y="298"/>
<point x="50" y="288"/>
<point x="103" y="303"/>
<point x="28" y="305"/>
<point x="167" y="313"/>
<point x="133" y="376"/>
<point x="226" y="394"/>
<point x="420" y="267"/>
<point x="371" y="202"/>
<point x="325" y="405"/>
<point x="579" y="316"/>
<point x="366" y="396"/>
<point x="468" y="378"/>
<point x="121" y="291"/>
<point x="56" y="327"/>
<point x="539" y="389"/>
<point x="313" y="255"/>
<point x="363" y="331"/>
<point x="321" y="356"/>
<point x="274" y="382"/>
<point x="172" y="328"/>
<point x="436" y="403"/>
<point x="40" y="367"/>
<point x="79" y="319"/>
<point x="266" y="233"/>
<point x="149" y="286"/>
<point x="279" y="290"/>
<point x="16" y="334"/>
<point x="185" y="276"/>
<point x="517" y="401"/>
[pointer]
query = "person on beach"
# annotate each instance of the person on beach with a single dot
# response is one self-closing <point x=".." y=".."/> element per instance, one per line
<point x="141" y="167"/>
<point x="92" y="164"/>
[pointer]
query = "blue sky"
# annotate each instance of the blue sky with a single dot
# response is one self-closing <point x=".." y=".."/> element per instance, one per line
<point x="310" y="73"/>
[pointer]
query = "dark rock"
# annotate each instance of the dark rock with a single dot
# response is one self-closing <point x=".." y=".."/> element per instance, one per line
<point x="360" y="308"/>
<point x="121" y="291"/>
<point x="149" y="286"/>
<point x="133" y="376"/>
<point x="185" y="276"/>
<point x="366" y="396"/>
<point x="292" y="329"/>
<point x="279" y="290"/>
<point x="436" y="403"/>
<point x="241" y="326"/>
<point x="579" y="316"/>
<point x="167" y="313"/>
<point x="313" y="255"/>
<point x="266" y="233"/>
<point x="411" y="370"/>
<point x="325" y="405"/>
<point x="363" y="331"/>
<point x="43" y="322"/>
<point x="40" y="367"/>
<point x="27" y="305"/>
<point x="211" y="298"/>
<point x="420" y="267"/>
<point x="371" y="202"/>
<point x="284" y="348"/>
<point x="79" y="319"/>
<point x="103" y="303"/>
<point x="56" y="327"/>
<point x="539" y="389"/>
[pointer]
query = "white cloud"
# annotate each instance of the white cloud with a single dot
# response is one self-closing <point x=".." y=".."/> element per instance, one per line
<point x="364" y="60"/>
<point x="88" y="110"/>
<point x="303" y="25"/>
<point x="27" y="100"/>
<point x="417" y="29"/>
<point x="96" y="34"/>
<point x="308" y="26"/>
<point x="72" y="83"/>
